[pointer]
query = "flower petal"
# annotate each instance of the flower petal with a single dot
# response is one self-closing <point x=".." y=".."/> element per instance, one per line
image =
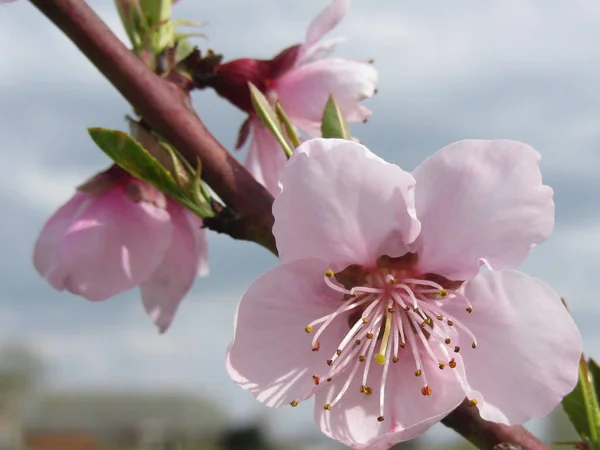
<point x="344" y="205"/>
<point x="480" y="201"/>
<point x="528" y="347"/>
<point x="266" y="159"/>
<point x="46" y="253"/>
<point x="407" y="413"/>
<point x="170" y="282"/>
<point x="106" y="249"/>
<point x="326" y="21"/>
<point x="271" y="353"/>
<point x="304" y="91"/>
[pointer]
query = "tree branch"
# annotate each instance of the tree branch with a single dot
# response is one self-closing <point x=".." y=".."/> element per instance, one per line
<point x="165" y="107"/>
<point x="486" y="435"/>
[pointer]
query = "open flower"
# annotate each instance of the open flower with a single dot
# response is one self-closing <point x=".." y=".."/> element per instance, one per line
<point x="301" y="78"/>
<point x="379" y="309"/>
<point x="117" y="233"/>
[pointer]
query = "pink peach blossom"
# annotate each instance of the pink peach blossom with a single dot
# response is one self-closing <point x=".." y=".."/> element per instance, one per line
<point x="127" y="234"/>
<point x="379" y="309"/>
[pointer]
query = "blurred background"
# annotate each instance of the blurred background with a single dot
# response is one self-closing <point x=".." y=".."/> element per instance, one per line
<point x="97" y="376"/>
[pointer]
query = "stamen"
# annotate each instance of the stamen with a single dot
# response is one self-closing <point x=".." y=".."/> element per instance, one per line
<point x="294" y="404"/>
<point x="384" y="375"/>
<point x="334" y="286"/>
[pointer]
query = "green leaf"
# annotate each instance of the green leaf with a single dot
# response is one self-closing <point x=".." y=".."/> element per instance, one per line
<point x="581" y="406"/>
<point x="287" y="124"/>
<point x="135" y="159"/>
<point x="333" y="124"/>
<point x="268" y="117"/>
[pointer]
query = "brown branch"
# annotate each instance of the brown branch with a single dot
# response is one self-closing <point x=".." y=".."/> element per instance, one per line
<point x="486" y="435"/>
<point x="163" y="105"/>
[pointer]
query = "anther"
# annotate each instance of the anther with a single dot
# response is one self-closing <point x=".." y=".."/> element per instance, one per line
<point x="441" y="365"/>
<point x="426" y="390"/>
<point x="329" y="379"/>
<point x="440" y="317"/>
<point x="443" y="293"/>
<point x="369" y="335"/>
<point x="450" y="323"/>
<point x="380" y="419"/>
<point x="329" y="273"/>
<point x="469" y="309"/>
<point x="456" y="349"/>
<point x="447" y="341"/>
<point x="362" y="358"/>
<point x="473" y="345"/>
<point x="395" y="359"/>
<point x="316" y="379"/>
<point x="327" y="407"/>
<point x="308" y="329"/>
<point x="365" y="320"/>
<point x="473" y="402"/>
<point x="363" y="389"/>
<point x="391" y="310"/>
<point x="294" y="404"/>
<point x="316" y="346"/>
<point x="368" y="390"/>
<point x="329" y="362"/>
<point x="418" y="373"/>
<point x="452" y="363"/>
<point x="403" y="344"/>
<point x="338" y="352"/>
<point x="357" y="342"/>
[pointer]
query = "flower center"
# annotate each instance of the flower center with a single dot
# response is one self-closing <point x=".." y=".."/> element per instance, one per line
<point x="390" y="310"/>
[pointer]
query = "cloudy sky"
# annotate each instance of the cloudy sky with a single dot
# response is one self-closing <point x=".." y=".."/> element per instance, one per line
<point x="526" y="70"/>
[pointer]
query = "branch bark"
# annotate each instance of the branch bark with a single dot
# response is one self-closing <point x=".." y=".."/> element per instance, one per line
<point x="486" y="435"/>
<point x="163" y="105"/>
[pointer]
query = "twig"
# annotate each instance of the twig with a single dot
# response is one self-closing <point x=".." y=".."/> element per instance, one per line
<point x="163" y="105"/>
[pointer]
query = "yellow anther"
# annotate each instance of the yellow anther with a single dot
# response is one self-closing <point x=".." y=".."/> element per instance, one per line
<point x="426" y="390"/>
<point x="473" y="402"/>
<point x="368" y="390"/>
<point x="365" y="320"/>
<point x="441" y="365"/>
<point x="469" y="309"/>
<point x="294" y="404"/>
<point x="329" y="274"/>
<point x="380" y="419"/>
<point x="447" y="341"/>
<point x="362" y="358"/>
<point x="380" y="358"/>
<point x="369" y="335"/>
<point x="327" y="407"/>
<point x="308" y="329"/>
<point x="443" y="293"/>
<point x="418" y="373"/>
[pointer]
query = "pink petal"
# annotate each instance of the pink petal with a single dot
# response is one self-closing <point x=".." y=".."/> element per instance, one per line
<point x="528" y="347"/>
<point x="407" y="413"/>
<point x="111" y="246"/>
<point x="271" y="354"/>
<point x="266" y="159"/>
<point x="326" y="21"/>
<point x="303" y="91"/>
<point x="47" y="247"/>
<point x="480" y="200"/>
<point x="344" y="205"/>
<point x="170" y="282"/>
<point x="195" y="223"/>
